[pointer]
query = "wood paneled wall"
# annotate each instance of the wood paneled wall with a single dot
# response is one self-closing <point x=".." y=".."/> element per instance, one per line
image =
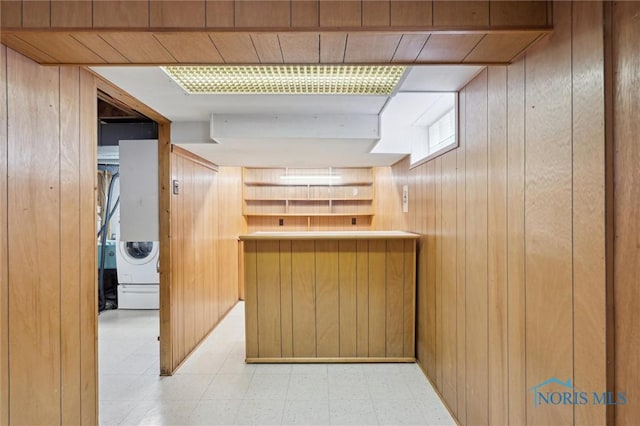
<point x="271" y="32"/>
<point x="511" y="265"/>
<point x="48" y="302"/>
<point x="349" y="299"/>
<point x="294" y="14"/>
<point x="206" y="220"/>
<point x="625" y="116"/>
<point x="388" y="200"/>
<point x="204" y="47"/>
<point x="231" y="225"/>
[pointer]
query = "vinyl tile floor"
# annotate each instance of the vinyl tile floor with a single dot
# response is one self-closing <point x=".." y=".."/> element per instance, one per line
<point x="215" y="386"/>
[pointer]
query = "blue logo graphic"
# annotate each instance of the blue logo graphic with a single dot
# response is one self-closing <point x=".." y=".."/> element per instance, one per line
<point x="564" y="393"/>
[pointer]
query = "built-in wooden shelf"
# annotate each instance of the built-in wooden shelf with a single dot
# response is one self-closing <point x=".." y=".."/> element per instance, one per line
<point x="320" y="192"/>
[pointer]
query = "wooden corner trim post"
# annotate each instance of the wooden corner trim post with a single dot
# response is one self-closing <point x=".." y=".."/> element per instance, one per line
<point x="164" y="185"/>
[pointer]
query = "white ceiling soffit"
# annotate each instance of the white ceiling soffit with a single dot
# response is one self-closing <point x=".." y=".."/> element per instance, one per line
<point x="295" y="126"/>
<point x="292" y="153"/>
<point x="191" y="114"/>
<point x="438" y="78"/>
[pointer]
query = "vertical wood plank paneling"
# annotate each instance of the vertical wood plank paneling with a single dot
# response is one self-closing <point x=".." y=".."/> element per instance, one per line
<point x="176" y="14"/>
<point x="409" y="13"/>
<point x="395" y="298"/>
<point x="362" y="308"/>
<point x="71" y="14"/>
<point x="438" y="273"/>
<point x="515" y="243"/>
<point x="300" y="48"/>
<point x="476" y="251"/>
<point x="262" y="13"/>
<point x="235" y="47"/>
<point x="548" y="199"/>
<point x="409" y="312"/>
<point x="120" y="14"/>
<point x="229" y="227"/>
<point x="448" y="288"/>
<point x="461" y="368"/>
<point x="421" y="284"/>
<point x="327" y="299"/>
<point x="304" y="13"/>
<point x="286" y="307"/>
<point x="589" y="269"/>
<point x="70" y="320"/>
<point x="625" y="60"/>
<point x="96" y="44"/>
<point x="429" y="228"/>
<point x="34" y="276"/>
<point x="303" y="276"/>
<point x="267" y="46"/>
<point x="409" y="47"/>
<point x="371" y="48"/>
<point x="88" y="255"/>
<point x="205" y="228"/>
<point x="268" y="295"/>
<point x="191" y="242"/>
<point x="497" y="245"/>
<point x="177" y="164"/>
<point x="460" y="13"/>
<point x="497" y="358"/>
<point x="375" y="13"/>
<point x="518" y="13"/>
<point x="211" y="250"/>
<point x="448" y="48"/>
<point x="221" y="253"/>
<point x="377" y="297"/>
<point x="177" y="274"/>
<point x="11" y="14"/>
<point x="219" y="13"/>
<point x="348" y="281"/>
<point x="251" y="301"/>
<point x="36" y="14"/>
<point x="332" y="47"/>
<point x="4" y="261"/>
<point x="168" y="238"/>
<point x="200" y="251"/>
<point x="336" y="14"/>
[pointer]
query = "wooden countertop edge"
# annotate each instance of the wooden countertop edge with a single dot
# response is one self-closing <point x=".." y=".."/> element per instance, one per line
<point x="328" y="236"/>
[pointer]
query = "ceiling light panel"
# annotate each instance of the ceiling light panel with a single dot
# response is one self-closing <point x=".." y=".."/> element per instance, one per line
<point x="287" y="79"/>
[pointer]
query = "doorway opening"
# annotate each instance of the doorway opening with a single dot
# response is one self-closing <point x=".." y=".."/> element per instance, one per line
<point x="128" y="260"/>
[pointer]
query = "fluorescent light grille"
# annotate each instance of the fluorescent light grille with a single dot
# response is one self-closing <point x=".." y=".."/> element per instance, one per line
<point x="287" y="79"/>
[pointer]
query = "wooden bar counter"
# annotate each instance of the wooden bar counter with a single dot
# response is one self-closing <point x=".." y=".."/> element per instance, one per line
<point x="330" y="296"/>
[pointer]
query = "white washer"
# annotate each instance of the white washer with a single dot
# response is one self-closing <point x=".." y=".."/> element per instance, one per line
<point x="138" y="277"/>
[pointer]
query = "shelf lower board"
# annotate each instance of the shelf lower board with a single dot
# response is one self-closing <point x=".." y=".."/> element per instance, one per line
<point x="327" y="360"/>
<point x="307" y="214"/>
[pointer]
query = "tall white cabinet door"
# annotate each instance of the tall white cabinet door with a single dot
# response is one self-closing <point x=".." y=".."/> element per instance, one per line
<point x="139" y="190"/>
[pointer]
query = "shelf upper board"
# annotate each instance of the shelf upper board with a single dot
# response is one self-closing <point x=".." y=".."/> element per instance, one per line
<point x="308" y="214"/>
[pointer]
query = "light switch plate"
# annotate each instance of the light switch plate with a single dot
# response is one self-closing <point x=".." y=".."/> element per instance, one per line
<point x="405" y="199"/>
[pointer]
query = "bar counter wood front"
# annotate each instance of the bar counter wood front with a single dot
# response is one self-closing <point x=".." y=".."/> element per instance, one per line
<point x="330" y="296"/>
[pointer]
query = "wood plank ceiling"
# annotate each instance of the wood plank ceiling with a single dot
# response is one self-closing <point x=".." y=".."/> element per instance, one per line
<point x="272" y="32"/>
